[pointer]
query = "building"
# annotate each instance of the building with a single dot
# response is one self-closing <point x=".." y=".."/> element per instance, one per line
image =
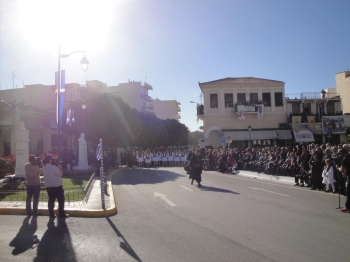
<point x="246" y="110"/>
<point x="167" y="109"/>
<point x="309" y="111"/>
<point x="135" y="94"/>
<point x="342" y="82"/>
<point x="35" y="105"/>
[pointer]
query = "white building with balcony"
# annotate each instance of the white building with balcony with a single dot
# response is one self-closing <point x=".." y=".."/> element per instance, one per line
<point x="231" y="105"/>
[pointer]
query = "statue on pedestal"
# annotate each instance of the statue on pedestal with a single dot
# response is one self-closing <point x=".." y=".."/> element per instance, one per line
<point x="83" y="159"/>
<point x="22" y="149"/>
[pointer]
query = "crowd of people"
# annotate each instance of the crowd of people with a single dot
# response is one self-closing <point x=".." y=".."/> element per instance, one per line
<point x="313" y="166"/>
<point x="148" y="158"/>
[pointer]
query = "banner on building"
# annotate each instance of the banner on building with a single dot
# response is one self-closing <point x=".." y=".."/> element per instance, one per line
<point x="296" y="123"/>
<point x="260" y="110"/>
<point x="311" y="123"/>
<point x="333" y="124"/>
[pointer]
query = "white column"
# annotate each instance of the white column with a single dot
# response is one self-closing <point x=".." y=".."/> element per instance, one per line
<point x="272" y="101"/>
<point x="259" y="94"/>
<point x="221" y="101"/>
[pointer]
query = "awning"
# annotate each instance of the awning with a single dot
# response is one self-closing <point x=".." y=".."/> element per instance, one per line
<point x="304" y="136"/>
<point x="263" y="134"/>
<point x="284" y="134"/>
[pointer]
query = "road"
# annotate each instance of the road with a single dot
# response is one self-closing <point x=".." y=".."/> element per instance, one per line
<point x="161" y="217"/>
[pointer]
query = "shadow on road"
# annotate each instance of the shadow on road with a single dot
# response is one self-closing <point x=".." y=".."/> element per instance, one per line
<point x="25" y="238"/>
<point x="56" y="244"/>
<point x="215" y="189"/>
<point x="134" y="176"/>
<point x="124" y="245"/>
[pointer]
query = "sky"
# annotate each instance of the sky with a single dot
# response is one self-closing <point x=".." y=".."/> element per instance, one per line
<point x="173" y="45"/>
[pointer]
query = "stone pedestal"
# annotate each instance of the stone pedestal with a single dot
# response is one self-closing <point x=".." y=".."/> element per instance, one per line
<point x="83" y="157"/>
<point x="22" y="150"/>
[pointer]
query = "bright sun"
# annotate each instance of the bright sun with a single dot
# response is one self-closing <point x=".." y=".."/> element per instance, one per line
<point x="73" y="24"/>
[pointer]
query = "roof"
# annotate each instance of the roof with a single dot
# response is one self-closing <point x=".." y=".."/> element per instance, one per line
<point x="241" y="80"/>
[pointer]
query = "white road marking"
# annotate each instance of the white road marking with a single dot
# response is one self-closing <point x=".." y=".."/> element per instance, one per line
<point x="261" y="189"/>
<point x="159" y="174"/>
<point x="164" y="198"/>
<point x="274" y="184"/>
<point x="187" y="188"/>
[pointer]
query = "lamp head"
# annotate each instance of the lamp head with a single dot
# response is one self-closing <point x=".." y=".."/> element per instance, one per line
<point x="84" y="63"/>
<point x="249" y="128"/>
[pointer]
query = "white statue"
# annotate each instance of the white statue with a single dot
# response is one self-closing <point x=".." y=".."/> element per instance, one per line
<point x="22" y="132"/>
<point x="22" y="149"/>
<point x="83" y="159"/>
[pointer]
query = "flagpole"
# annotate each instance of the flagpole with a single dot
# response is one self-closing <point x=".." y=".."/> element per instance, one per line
<point x="59" y="102"/>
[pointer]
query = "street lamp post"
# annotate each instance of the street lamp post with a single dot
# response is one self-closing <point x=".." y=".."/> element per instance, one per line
<point x="250" y="138"/>
<point x="84" y="65"/>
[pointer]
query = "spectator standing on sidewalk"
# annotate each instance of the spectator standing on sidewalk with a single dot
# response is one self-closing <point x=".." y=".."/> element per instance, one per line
<point x="345" y="169"/>
<point x="53" y="181"/>
<point x="33" y="171"/>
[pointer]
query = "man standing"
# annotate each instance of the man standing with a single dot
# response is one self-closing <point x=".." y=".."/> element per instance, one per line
<point x="33" y="171"/>
<point x="345" y="169"/>
<point x="53" y="182"/>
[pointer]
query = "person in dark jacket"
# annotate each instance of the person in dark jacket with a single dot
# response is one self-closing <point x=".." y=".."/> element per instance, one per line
<point x="316" y="171"/>
<point x="196" y="167"/>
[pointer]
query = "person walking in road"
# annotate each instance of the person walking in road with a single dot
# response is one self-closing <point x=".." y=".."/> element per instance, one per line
<point x="33" y="171"/>
<point x="53" y="182"/>
<point x="196" y="167"/>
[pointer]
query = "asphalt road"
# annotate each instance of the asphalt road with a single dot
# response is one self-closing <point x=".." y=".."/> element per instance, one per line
<point x="161" y="217"/>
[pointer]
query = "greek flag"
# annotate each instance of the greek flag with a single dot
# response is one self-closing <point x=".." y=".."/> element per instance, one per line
<point x="70" y="117"/>
<point x="98" y="151"/>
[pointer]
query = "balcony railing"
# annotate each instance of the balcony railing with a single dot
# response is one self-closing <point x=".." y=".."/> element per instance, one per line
<point x="146" y="97"/>
<point x="312" y="95"/>
<point x="200" y="110"/>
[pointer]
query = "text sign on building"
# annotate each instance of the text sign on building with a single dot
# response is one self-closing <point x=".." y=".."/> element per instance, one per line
<point x="245" y="108"/>
<point x="223" y="140"/>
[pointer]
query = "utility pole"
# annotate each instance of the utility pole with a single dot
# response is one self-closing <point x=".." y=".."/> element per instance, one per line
<point x="13" y="79"/>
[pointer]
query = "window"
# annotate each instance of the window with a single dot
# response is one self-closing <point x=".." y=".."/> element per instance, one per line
<point x="266" y="97"/>
<point x="330" y="108"/>
<point x="296" y="108"/>
<point x="241" y="97"/>
<point x="278" y="99"/>
<point x="254" y="97"/>
<point x="228" y="100"/>
<point x="307" y="109"/>
<point x="213" y="100"/>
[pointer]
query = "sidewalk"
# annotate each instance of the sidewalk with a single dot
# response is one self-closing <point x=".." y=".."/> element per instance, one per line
<point x="256" y="175"/>
<point x="92" y="207"/>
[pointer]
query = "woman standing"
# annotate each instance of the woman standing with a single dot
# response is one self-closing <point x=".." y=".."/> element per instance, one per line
<point x="196" y="167"/>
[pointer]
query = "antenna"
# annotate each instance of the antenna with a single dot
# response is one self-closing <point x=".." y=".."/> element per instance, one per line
<point x="13" y="79"/>
<point x="201" y="97"/>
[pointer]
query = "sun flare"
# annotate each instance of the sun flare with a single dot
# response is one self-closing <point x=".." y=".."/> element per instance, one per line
<point x="75" y="25"/>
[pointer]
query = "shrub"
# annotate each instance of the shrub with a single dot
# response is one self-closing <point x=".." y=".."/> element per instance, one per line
<point x="7" y="164"/>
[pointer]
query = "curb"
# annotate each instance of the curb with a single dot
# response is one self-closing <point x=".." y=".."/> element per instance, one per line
<point x="112" y="210"/>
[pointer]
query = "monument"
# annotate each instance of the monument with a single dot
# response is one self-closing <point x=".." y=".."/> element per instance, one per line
<point x="83" y="157"/>
<point x="22" y="150"/>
